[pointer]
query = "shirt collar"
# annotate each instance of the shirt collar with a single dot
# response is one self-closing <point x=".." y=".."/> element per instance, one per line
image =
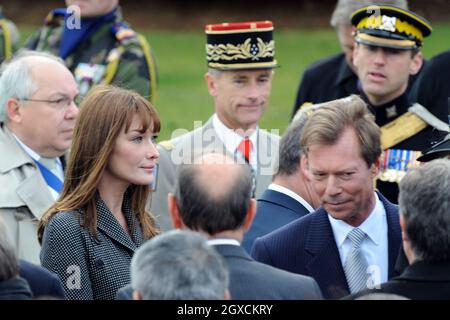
<point x="28" y="150"/>
<point x="292" y="194"/>
<point x="219" y="241"/>
<point x="230" y="138"/>
<point x="370" y="226"/>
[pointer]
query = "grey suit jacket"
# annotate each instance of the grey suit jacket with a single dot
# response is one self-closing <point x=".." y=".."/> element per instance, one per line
<point x="24" y="195"/>
<point x="252" y="280"/>
<point x="185" y="148"/>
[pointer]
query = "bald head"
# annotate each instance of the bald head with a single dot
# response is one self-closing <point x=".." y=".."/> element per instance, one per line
<point x="213" y="194"/>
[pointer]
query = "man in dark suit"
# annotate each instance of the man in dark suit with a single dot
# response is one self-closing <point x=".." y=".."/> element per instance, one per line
<point x="335" y="77"/>
<point x="290" y="195"/>
<point x="353" y="240"/>
<point x="42" y="282"/>
<point x="425" y="221"/>
<point x="224" y="211"/>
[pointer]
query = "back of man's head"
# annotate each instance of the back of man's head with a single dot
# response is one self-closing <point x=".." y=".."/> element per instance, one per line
<point x="424" y="201"/>
<point x="290" y="149"/>
<point x="178" y="265"/>
<point x="213" y="194"/>
<point x="344" y="8"/>
<point x="9" y="266"/>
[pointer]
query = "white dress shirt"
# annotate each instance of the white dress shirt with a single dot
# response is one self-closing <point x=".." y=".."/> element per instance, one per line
<point x="374" y="247"/>
<point x="231" y="140"/>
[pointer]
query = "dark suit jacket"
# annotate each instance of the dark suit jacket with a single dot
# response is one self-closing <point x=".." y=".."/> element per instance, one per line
<point x="41" y="281"/>
<point x="274" y="210"/>
<point x="307" y="246"/>
<point x="421" y="280"/>
<point x="251" y="280"/>
<point x="327" y="79"/>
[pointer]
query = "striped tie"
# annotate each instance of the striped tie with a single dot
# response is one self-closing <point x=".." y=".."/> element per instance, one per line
<point x="356" y="265"/>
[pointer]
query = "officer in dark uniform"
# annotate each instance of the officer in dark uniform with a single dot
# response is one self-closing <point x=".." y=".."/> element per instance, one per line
<point x="386" y="54"/>
<point x="334" y="77"/>
<point x="98" y="46"/>
<point x="432" y="88"/>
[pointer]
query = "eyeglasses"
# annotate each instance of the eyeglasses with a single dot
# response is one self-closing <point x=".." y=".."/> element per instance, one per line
<point x="60" y="103"/>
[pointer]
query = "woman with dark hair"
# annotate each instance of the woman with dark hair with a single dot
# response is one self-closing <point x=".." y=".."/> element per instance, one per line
<point x="89" y="235"/>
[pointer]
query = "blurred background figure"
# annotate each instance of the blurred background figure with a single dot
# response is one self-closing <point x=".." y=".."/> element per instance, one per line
<point x="179" y="265"/>
<point x="98" y="46"/>
<point x="91" y="233"/>
<point x="9" y="38"/>
<point x="432" y="88"/>
<point x="12" y="287"/>
<point x="335" y="77"/>
<point x="37" y="117"/>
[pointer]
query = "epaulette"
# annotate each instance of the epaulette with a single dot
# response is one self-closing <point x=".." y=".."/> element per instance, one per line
<point x="167" y="145"/>
<point x="122" y="31"/>
<point x="54" y="16"/>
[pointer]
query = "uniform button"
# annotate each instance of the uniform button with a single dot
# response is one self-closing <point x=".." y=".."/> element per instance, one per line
<point x="99" y="263"/>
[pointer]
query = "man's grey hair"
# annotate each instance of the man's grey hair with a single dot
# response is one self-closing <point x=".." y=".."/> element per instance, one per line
<point x="290" y="149"/>
<point x="9" y="266"/>
<point x="424" y="201"/>
<point x="16" y="80"/>
<point x="179" y="265"/>
<point x="344" y="9"/>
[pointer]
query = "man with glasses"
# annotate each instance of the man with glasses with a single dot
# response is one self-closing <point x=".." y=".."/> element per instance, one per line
<point x="37" y="117"/>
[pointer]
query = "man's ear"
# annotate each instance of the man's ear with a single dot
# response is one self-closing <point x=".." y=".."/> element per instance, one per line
<point x="251" y="213"/>
<point x="416" y="63"/>
<point x="211" y="84"/>
<point x="304" y="167"/>
<point x="137" y="295"/>
<point x="13" y="110"/>
<point x="375" y="168"/>
<point x="403" y="228"/>
<point x="174" y="211"/>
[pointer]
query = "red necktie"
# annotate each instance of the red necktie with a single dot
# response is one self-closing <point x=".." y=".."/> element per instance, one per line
<point x="245" y="147"/>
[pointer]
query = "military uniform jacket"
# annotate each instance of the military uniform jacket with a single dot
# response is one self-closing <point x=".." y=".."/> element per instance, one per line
<point x="90" y="267"/>
<point x="124" y="55"/>
<point x="421" y="141"/>
<point x="24" y="195"/>
<point x="185" y="148"/>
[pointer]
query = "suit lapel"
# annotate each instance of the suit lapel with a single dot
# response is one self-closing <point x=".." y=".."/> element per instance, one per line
<point x="267" y="152"/>
<point x="325" y="265"/>
<point x="112" y="228"/>
<point x="394" y="233"/>
<point x="35" y="194"/>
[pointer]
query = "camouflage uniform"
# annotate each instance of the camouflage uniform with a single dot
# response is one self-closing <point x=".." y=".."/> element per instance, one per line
<point x="9" y="38"/>
<point x="114" y="54"/>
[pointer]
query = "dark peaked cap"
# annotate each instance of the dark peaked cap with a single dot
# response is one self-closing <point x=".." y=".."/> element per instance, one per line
<point x="390" y="27"/>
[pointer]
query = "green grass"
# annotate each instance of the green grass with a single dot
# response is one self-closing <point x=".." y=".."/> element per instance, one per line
<point x="182" y="96"/>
